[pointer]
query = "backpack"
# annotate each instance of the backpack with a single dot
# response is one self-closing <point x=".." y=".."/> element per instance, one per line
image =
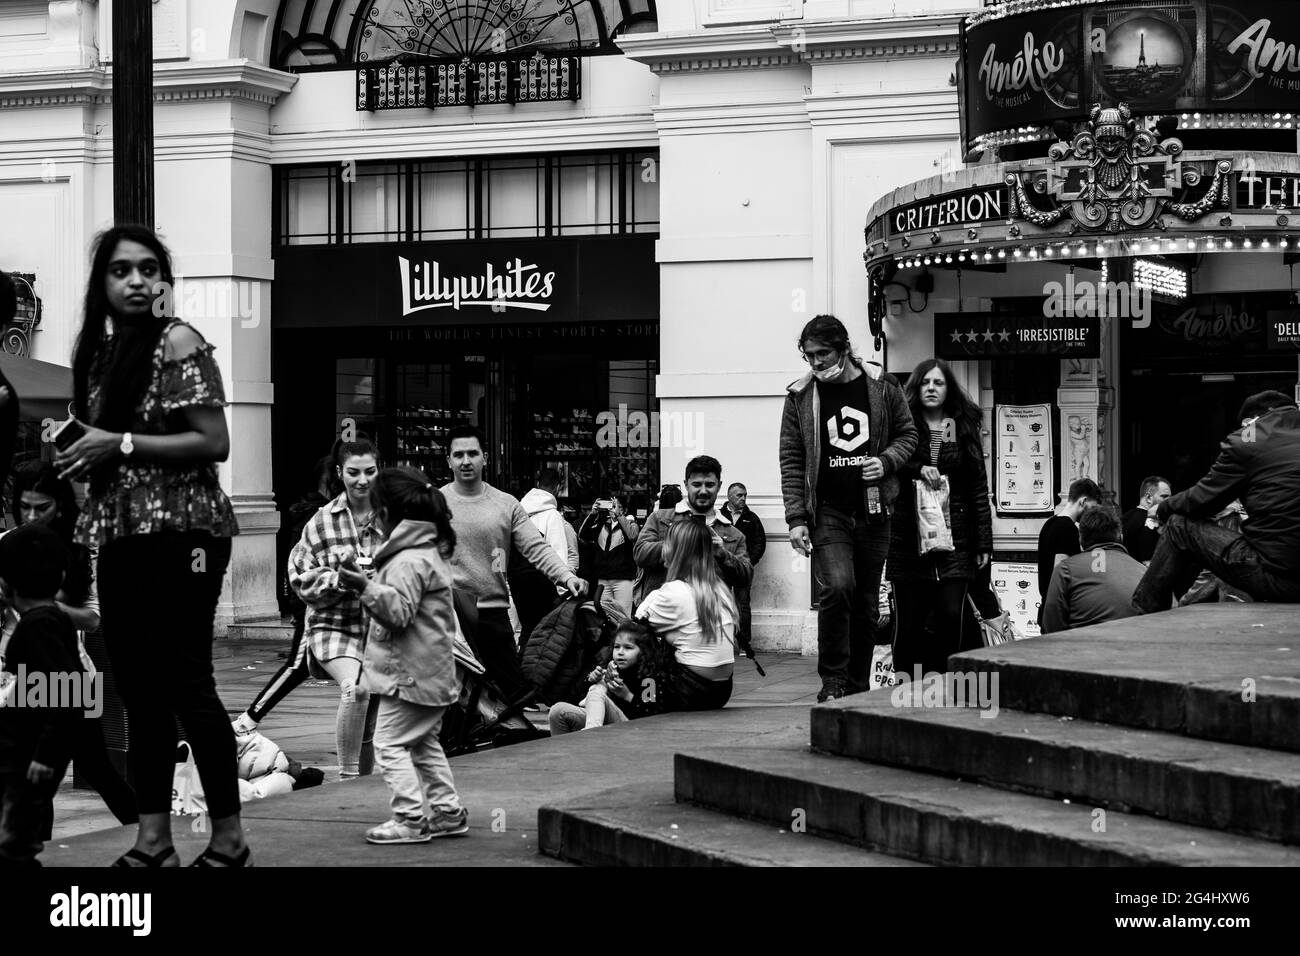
<point x="564" y="647"/>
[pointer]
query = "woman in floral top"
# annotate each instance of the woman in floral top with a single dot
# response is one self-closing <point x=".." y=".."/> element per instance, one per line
<point x="149" y="394"/>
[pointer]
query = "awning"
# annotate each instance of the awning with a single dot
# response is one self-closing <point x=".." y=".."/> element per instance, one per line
<point x="44" y="389"/>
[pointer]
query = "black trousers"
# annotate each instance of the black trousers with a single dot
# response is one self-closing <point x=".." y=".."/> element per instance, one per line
<point x="933" y="623"/>
<point x="534" y="597"/>
<point x="287" y="679"/>
<point x="494" y="643"/>
<point x="158" y="596"/>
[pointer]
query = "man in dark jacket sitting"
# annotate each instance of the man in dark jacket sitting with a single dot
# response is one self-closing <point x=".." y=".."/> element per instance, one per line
<point x="1096" y="584"/>
<point x="1260" y="464"/>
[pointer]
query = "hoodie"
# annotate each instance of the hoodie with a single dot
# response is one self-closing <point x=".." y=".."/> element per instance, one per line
<point x="412" y="623"/>
<point x="542" y="508"/>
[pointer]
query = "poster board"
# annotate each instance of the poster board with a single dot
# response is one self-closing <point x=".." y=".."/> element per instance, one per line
<point x="1024" y="483"/>
<point x="1016" y="586"/>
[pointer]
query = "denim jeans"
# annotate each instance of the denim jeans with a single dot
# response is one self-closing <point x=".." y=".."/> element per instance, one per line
<point x="565" y="718"/>
<point x="411" y="758"/>
<point x="617" y="594"/>
<point x="848" y="557"/>
<point x="1188" y="546"/>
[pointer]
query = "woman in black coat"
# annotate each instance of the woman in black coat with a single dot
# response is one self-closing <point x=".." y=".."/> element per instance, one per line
<point x="930" y="590"/>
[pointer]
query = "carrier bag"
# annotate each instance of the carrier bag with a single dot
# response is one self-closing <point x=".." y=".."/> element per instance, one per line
<point x="934" y="527"/>
<point x="187" y="792"/>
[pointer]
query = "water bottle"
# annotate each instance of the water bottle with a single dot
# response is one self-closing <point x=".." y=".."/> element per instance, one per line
<point x="873" y="499"/>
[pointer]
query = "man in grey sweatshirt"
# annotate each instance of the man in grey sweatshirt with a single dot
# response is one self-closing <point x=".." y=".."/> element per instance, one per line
<point x="488" y="523"/>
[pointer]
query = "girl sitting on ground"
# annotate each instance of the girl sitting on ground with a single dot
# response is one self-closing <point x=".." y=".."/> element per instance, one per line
<point x="409" y="661"/>
<point x="625" y="688"/>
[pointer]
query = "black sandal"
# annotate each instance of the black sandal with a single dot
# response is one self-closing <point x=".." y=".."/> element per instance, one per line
<point x="143" y="859"/>
<point x="212" y="858"/>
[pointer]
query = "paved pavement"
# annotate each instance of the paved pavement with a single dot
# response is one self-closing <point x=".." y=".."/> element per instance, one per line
<point x="513" y="781"/>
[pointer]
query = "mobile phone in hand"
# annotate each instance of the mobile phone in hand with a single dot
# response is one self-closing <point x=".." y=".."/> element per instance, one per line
<point x="67" y="433"/>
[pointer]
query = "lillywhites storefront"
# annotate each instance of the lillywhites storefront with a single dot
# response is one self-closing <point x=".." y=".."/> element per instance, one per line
<point x="527" y="339"/>
<point x="1112" y="271"/>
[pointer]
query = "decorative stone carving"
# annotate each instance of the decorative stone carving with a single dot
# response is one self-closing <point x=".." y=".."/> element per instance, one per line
<point x="1113" y="176"/>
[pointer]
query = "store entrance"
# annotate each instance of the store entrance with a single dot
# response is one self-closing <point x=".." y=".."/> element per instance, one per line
<point x="1175" y="418"/>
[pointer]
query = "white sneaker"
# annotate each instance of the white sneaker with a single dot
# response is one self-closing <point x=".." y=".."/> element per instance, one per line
<point x="442" y="823"/>
<point x="243" y="724"/>
<point x="395" y="831"/>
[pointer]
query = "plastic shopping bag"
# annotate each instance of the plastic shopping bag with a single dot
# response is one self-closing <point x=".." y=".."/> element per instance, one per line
<point x="187" y="792"/>
<point x="882" y="667"/>
<point x="932" y="522"/>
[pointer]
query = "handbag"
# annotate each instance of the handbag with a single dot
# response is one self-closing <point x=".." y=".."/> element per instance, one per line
<point x="995" y="630"/>
<point x="933" y="524"/>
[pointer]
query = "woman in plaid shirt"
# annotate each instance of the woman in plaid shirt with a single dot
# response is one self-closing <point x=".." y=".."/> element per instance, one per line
<point x="335" y="625"/>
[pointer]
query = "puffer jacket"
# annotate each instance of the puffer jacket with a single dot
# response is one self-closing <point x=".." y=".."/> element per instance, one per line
<point x="892" y="440"/>
<point x="412" y="628"/>
<point x="969" y="512"/>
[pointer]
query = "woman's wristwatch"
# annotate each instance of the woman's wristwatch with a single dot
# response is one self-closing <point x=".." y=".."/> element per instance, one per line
<point x="127" y="446"/>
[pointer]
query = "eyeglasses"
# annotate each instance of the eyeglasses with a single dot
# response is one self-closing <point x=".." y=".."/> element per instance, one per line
<point x="823" y="356"/>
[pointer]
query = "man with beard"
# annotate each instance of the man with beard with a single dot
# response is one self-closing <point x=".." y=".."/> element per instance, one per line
<point x="703" y="481"/>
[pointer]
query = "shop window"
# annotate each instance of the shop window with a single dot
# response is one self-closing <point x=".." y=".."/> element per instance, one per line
<point x="358" y="392"/>
<point x="571" y="194"/>
<point x="513" y="198"/>
<point x="586" y="195"/>
<point x="444" y="207"/>
<point x="374" y="205"/>
<point x="632" y="460"/>
<point x="643" y="192"/>
<point x="308" y="206"/>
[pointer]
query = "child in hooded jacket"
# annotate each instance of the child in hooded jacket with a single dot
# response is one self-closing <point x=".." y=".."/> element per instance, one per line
<point x="409" y="663"/>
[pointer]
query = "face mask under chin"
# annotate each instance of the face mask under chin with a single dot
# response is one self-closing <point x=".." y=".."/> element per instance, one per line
<point x="828" y="374"/>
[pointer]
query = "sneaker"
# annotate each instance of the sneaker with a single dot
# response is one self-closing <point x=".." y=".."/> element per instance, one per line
<point x="443" y="824"/>
<point x="243" y="724"/>
<point x="832" y="689"/>
<point x="395" y="831"/>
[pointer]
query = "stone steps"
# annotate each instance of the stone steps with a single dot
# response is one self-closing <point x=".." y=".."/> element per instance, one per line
<point x="1223" y="672"/>
<point x="1245" y="790"/>
<point x="643" y="826"/>
<point x="938" y="820"/>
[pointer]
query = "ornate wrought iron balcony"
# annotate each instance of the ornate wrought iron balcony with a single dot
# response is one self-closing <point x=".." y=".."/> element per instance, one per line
<point x="407" y="84"/>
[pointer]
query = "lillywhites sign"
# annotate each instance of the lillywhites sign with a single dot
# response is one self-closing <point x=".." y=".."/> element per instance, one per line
<point x="516" y="285"/>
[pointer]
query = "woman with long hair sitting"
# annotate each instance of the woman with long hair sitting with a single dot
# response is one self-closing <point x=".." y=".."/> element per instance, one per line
<point x="149" y="396"/>
<point x="934" y="585"/>
<point x="695" y="614"/>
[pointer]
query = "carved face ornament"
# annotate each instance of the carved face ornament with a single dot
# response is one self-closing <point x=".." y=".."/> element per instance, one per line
<point x="1114" y="162"/>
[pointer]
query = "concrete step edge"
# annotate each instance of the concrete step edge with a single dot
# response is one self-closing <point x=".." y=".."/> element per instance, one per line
<point x="644" y="826"/>
<point x="949" y="822"/>
<point x="1263" y="713"/>
<point x="1247" y="790"/>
